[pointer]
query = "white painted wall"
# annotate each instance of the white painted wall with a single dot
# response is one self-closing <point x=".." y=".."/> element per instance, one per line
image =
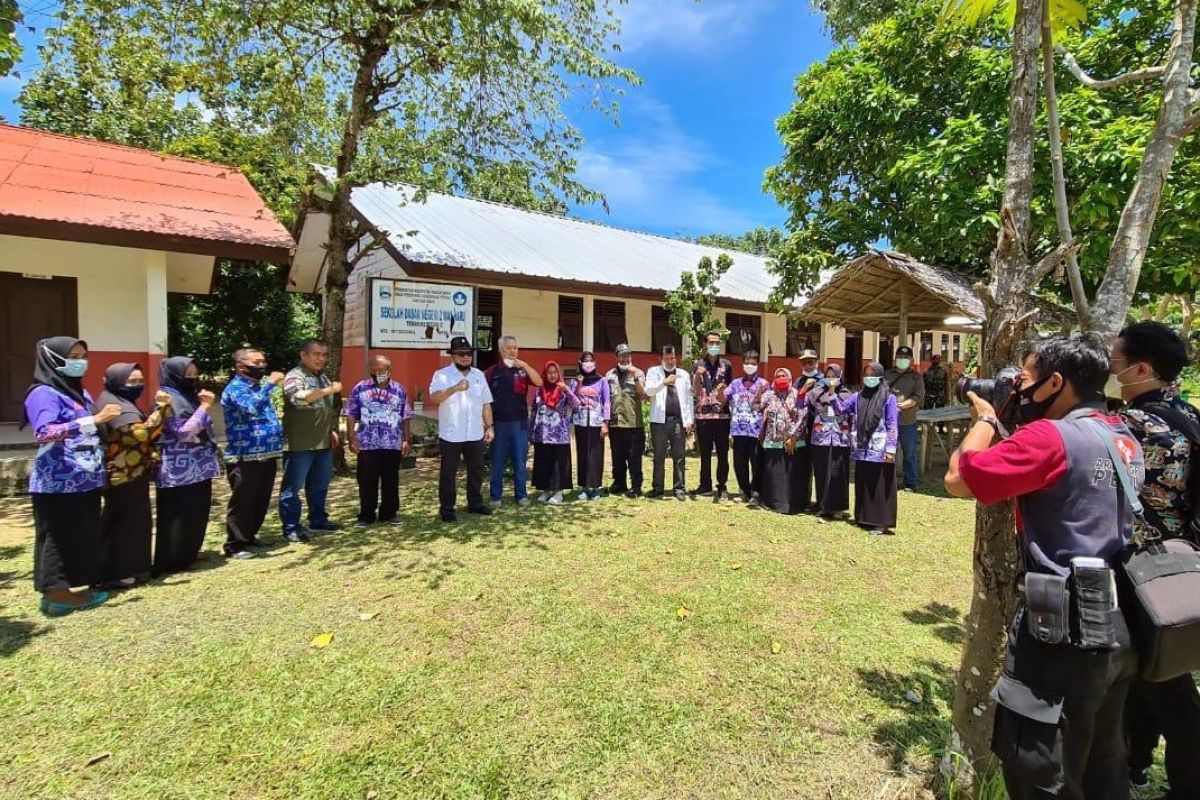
<point x="122" y="292"/>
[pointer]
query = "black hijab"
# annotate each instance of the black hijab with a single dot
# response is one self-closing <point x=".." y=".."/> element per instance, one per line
<point x="114" y="378"/>
<point x="588" y="378"/>
<point x="171" y="374"/>
<point x="871" y="402"/>
<point x="52" y="353"/>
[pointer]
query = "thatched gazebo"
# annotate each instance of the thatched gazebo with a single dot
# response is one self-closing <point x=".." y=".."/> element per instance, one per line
<point x="894" y="294"/>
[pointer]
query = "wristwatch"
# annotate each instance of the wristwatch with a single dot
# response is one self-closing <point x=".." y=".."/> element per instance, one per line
<point x="995" y="423"/>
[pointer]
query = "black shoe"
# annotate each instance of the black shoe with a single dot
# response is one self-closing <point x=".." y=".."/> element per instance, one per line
<point x="702" y="492"/>
<point x="448" y="516"/>
<point x="632" y="493"/>
<point x="257" y="544"/>
<point x="656" y="494"/>
<point x="482" y="511"/>
<point x="753" y="503"/>
<point x="614" y="489"/>
<point x="324" y="526"/>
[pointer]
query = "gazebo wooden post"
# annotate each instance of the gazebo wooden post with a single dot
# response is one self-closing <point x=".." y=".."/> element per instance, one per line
<point x="902" y="335"/>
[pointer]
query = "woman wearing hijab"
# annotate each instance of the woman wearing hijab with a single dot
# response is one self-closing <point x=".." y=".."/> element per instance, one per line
<point x="189" y="464"/>
<point x="591" y="425"/>
<point x="550" y="432"/>
<point x="831" y="442"/>
<point x="130" y="459"/>
<point x="782" y="432"/>
<point x="875" y="418"/>
<point x="67" y="477"/>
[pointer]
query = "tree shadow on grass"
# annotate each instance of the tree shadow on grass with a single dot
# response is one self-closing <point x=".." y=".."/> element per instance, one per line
<point x="15" y="633"/>
<point x="947" y="621"/>
<point x="923" y="726"/>
<point x="410" y="548"/>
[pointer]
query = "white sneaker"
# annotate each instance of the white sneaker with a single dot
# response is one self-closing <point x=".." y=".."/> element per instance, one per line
<point x="556" y="500"/>
<point x="544" y="497"/>
<point x="496" y="504"/>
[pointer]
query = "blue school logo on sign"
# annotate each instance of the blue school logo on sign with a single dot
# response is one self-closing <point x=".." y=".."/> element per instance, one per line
<point x="384" y="292"/>
<point x="460" y="298"/>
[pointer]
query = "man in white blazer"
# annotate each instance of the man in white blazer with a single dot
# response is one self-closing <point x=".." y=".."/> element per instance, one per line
<point x="672" y="415"/>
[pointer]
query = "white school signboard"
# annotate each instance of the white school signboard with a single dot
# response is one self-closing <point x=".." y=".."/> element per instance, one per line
<point x="406" y="314"/>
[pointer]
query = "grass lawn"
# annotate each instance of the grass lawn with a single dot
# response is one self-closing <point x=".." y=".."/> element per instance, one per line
<point x="616" y="649"/>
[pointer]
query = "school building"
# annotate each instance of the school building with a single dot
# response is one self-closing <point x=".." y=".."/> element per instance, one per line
<point x="92" y="238"/>
<point x="559" y="285"/>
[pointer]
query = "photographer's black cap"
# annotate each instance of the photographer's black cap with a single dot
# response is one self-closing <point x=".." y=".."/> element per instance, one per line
<point x="904" y="351"/>
<point x="460" y="343"/>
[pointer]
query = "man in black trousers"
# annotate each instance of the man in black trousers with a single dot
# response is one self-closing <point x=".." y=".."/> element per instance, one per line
<point x="464" y="427"/>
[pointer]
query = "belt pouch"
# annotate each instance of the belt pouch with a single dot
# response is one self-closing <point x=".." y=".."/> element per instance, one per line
<point x="1047" y="607"/>
<point x="1094" y="603"/>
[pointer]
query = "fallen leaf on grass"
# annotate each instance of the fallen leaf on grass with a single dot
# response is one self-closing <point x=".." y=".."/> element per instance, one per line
<point x="385" y="596"/>
<point x="738" y="565"/>
<point x="322" y="640"/>
<point x="913" y="697"/>
<point x="372" y="795"/>
<point x="776" y="648"/>
<point x="368" y="615"/>
<point x="96" y="759"/>
<point x="683" y="612"/>
<point x="773" y="541"/>
<point x="416" y="770"/>
<point x="668" y="551"/>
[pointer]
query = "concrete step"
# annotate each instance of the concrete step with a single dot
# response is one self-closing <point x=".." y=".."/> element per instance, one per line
<point x="15" y="466"/>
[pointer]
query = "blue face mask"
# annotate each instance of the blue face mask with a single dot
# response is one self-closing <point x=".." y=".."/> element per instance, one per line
<point x="714" y="350"/>
<point x="871" y="382"/>
<point x="73" y="367"/>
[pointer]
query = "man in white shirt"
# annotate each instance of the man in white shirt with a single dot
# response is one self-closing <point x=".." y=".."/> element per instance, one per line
<point x="671" y="418"/>
<point x="464" y="427"/>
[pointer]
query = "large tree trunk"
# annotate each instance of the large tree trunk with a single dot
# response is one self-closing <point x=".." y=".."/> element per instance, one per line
<point x="1128" y="250"/>
<point x="1062" y="211"/>
<point x="1006" y="299"/>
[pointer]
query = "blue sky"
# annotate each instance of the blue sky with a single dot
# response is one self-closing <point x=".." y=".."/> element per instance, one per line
<point x="695" y="137"/>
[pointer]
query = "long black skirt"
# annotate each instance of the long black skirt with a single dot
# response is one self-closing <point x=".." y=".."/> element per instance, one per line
<point x="182" y="522"/>
<point x="802" y="480"/>
<point x="779" y="481"/>
<point x="590" y="452"/>
<point x="875" y="494"/>
<point x="831" y="470"/>
<point x="66" y="540"/>
<point x="126" y="527"/>
<point x="551" y="467"/>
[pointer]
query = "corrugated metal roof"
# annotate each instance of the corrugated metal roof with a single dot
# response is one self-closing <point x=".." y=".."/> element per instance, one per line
<point x="83" y="187"/>
<point x="458" y="231"/>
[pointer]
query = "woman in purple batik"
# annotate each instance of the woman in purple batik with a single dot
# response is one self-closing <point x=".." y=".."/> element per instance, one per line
<point x="591" y="425"/>
<point x="550" y="432"/>
<point x="67" y="477"/>
<point x="874" y="417"/>
<point x="831" y="442"/>
<point x="782" y="433"/>
<point x="190" y="461"/>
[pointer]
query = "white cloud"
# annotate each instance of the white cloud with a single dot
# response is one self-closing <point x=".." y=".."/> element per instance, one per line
<point x="654" y="179"/>
<point x="685" y="24"/>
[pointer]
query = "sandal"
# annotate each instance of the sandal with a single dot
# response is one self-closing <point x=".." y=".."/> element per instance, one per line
<point x="52" y="608"/>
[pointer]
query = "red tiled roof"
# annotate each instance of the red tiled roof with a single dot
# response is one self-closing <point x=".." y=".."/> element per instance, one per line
<point x="62" y="187"/>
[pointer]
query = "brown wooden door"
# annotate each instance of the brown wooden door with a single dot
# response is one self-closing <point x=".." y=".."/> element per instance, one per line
<point x="488" y="303"/>
<point x="30" y="309"/>
<point x="854" y="358"/>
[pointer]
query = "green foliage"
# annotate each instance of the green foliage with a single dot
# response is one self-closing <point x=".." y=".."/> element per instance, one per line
<point x="845" y="19"/>
<point x="10" y="48"/>
<point x="759" y="241"/>
<point x="901" y="137"/>
<point x="690" y="307"/>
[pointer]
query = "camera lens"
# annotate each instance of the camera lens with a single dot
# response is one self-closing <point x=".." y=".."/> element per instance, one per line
<point x="984" y="387"/>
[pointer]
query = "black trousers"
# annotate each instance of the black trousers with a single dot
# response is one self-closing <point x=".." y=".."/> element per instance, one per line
<point x="669" y="437"/>
<point x="126" y="530"/>
<point x="251" y="484"/>
<point x="182" y="522"/>
<point x="1170" y="709"/>
<point x="713" y="434"/>
<point x="452" y="453"/>
<point x="628" y="447"/>
<point x="746" y="464"/>
<point x="378" y="472"/>
<point x="803" y="482"/>
<point x="1058" y="730"/>
<point x="66" y="540"/>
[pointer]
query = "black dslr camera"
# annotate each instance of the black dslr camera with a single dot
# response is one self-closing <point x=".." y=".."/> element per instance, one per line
<point x="998" y="391"/>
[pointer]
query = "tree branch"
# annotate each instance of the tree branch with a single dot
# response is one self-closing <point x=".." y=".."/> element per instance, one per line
<point x="1051" y="261"/>
<point x="1144" y="74"/>
<point x="377" y="240"/>
<point x="1190" y="125"/>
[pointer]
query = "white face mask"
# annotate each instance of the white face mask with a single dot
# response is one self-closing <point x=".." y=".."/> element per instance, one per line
<point x="510" y="362"/>
<point x="383" y="379"/>
<point x="588" y="366"/>
<point x="811" y="373"/>
<point x="871" y="381"/>
<point x="751" y="369"/>
<point x="903" y="363"/>
<point x="1114" y="388"/>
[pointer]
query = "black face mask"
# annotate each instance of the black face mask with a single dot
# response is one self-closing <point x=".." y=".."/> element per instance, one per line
<point x="464" y="368"/>
<point x="130" y="393"/>
<point x="188" y="384"/>
<point x="1030" y="410"/>
<point x="255" y="372"/>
